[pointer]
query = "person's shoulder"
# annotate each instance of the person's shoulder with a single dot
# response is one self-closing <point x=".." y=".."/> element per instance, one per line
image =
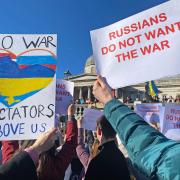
<point x="97" y="159"/>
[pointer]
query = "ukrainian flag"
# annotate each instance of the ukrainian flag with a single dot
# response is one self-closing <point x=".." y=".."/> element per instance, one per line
<point x="153" y="90"/>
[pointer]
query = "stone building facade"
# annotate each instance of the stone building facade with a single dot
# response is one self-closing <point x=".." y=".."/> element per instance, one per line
<point x="84" y="83"/>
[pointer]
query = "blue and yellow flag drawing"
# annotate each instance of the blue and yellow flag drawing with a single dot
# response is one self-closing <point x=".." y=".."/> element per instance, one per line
<point x="24" y="76"/>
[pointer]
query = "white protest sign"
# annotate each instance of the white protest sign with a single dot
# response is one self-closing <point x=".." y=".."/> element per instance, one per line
<point x="149" y="112"/>
<point x="162" y="110"/>
<point x="27" y="85"/>
<point x="64" y="95"/>
<point x="171" y="117"/>
<point x="140" y="48"/>
<point x="173" y="134"/>
<point x="135" y="103"/>
<point x="90" y="118"/>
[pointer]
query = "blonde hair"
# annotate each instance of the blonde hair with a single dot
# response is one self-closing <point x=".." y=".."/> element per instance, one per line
<point x="94" y="149"/>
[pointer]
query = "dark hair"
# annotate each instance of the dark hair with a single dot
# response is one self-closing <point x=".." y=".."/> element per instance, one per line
<point x="106" y="128"/>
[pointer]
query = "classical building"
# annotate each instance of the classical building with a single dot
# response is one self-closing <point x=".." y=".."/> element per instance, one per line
<point x="84" y="83"/>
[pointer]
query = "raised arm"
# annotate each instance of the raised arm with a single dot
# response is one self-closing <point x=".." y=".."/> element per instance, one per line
<point x="22" y="166"/>
<point x="153" y="154"/>
<point x="81" y="151"/>
<point x="68" y="151"/>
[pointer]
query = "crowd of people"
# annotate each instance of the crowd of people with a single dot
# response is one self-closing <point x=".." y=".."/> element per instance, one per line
<point x="129" y="100"/>
<point x="154" y="99"/>
<point x="95" y="156"/>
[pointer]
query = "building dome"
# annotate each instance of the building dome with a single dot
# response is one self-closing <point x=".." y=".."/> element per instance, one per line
<point x="90" y="66"/>
<point x="90" y="61"/>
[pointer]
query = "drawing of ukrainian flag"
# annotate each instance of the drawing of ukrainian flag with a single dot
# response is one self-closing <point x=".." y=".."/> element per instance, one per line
<point x="24" y="77"/>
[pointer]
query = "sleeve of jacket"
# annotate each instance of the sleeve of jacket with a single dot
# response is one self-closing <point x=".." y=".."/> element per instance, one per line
<point x="8" y="149"/>
<point x="19" y="167"/>
<point x="150" y="151"/>
<point x="81" y="151"/>
<point x="68" y="150"/>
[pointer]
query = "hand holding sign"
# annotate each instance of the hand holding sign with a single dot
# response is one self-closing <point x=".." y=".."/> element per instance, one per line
<point x="101" y="91"/>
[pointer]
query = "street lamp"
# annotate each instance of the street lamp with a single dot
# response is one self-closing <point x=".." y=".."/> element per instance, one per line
<point x="67" y="74"/>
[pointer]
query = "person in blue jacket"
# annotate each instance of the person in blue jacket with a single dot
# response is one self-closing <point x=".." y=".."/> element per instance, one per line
<point x="151" y="152"/>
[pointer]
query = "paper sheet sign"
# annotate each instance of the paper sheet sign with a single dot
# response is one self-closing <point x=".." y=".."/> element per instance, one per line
<point x="135" y="103"/>
<point x="27" y="85"/>
<point x="149" y="112"/>
<point x="64" y="95"/>
<point x="171" y="117"/>
<point x="90" y="118"/>
<point x="140" y="48"/>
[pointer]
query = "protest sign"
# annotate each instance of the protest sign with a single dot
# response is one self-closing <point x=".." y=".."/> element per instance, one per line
<point x="140" y="48"/>
<point x="161" y="117"/>
<point x="64" y="95"/>
<point x="135" y="103"/>
<point x="90" y="118"/>
<point x="171" y="117"/>
<point x="173" y="134"/>
<point x="28" y="82"/>
<point x="150" y="112"/>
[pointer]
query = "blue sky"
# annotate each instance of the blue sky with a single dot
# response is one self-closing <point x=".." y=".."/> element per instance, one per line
<point x="71" y="20"/>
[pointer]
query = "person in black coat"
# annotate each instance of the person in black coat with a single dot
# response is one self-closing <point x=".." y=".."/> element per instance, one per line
<point x="22" y="166"/>
<point x="110" y="163"/>
<point x="19" y="167"/>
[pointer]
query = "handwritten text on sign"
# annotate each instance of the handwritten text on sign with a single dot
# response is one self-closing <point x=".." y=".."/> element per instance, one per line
<point x="13" y="42"/>
<point x="27" y="90"/>
<point x="139" y="45"/>
<point x="64" y="95"/>
<point x="171" y="117"/>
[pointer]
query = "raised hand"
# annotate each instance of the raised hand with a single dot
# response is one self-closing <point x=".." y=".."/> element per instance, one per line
<point x="101" y="91"/>
<point x="79" y="122"/>
<point x="71" y="110"/>
<point x="45" y="141"/>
